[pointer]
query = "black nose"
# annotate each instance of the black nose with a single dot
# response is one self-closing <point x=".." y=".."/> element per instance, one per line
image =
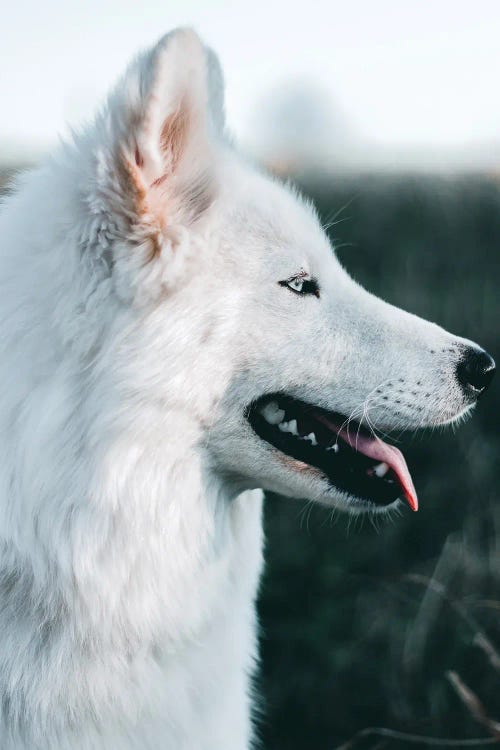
<point x="475" y="370"/>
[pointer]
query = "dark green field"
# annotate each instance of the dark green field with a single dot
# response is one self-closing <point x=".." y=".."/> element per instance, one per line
<point x="353" y="634"/>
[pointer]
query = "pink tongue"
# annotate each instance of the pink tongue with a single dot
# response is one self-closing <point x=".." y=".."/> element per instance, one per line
<point x="380" y="451"/>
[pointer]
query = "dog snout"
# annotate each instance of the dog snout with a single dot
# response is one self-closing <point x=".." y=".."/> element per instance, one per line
<point x="475" y="371"/>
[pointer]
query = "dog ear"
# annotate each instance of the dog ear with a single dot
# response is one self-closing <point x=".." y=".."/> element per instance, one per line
<point x="165" y="118"/>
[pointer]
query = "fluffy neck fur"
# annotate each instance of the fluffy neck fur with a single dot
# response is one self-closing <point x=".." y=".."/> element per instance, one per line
<point x="120" y="547"/>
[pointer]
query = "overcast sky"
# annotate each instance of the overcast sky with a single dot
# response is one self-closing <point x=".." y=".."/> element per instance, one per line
<point x="403" y="73"/>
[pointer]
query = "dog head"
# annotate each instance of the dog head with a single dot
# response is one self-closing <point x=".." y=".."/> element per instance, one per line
<point x="238" y="315"/>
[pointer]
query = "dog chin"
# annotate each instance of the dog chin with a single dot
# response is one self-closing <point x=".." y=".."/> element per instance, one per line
<point x="356" y="506"/>
<point x="319" y="489"/>
<point x="299" y="481"/>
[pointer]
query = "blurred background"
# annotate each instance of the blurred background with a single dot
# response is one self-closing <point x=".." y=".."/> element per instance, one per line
<point x="388" y="115"/>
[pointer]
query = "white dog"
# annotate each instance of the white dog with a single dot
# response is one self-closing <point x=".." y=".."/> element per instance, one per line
<point x="175" y="334"/>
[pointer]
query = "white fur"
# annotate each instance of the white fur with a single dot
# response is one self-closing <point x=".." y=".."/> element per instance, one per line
<point x="140" y="314"/>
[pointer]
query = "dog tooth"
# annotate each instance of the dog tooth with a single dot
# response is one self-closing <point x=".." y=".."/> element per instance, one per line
<point x="381" y="469"/>
<point x="312" y="438"/>
<point x="272" y="413"/>
<point x="292" y="427"/>
<point x="335" y="448"/>
<point x="283" y="426"/>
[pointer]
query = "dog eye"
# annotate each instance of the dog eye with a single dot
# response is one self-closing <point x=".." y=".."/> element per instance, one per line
<point x="301" y="285"/>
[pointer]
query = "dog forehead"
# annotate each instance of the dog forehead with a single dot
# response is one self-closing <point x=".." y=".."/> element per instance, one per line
<point x="278" y="223"/>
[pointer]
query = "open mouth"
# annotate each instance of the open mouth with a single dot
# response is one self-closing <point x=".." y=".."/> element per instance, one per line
<point x="353" y="459"/>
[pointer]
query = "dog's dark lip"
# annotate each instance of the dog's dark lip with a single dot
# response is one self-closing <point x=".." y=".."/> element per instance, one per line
<point x="352" y="459"/>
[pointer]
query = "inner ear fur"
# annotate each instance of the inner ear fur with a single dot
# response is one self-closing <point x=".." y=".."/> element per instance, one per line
<point x="167" y="136"/>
